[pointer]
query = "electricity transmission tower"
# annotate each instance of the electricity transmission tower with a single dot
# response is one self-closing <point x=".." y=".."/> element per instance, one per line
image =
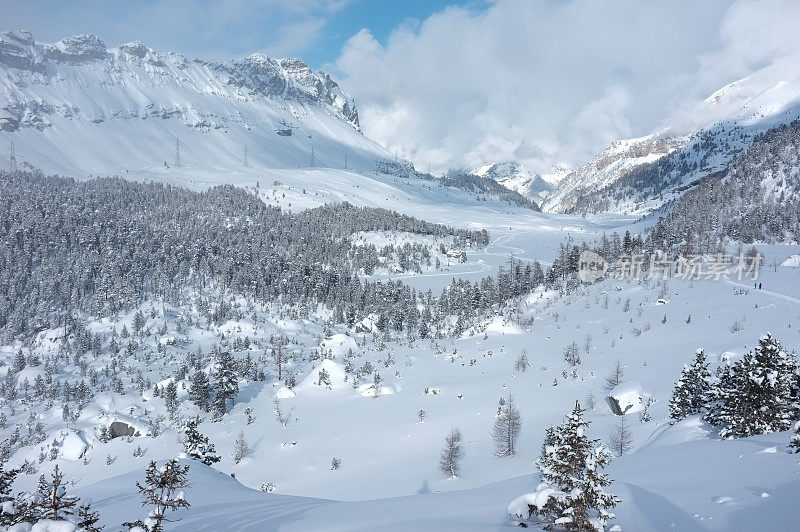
<point x="312" y="156"/>
<point x="12" y="159"/>
<point x="177" y="153"/>
<point x="345" y="161"/>
<point x="245" y="156"/>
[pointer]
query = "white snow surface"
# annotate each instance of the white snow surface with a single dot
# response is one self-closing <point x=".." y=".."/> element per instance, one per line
<point x="673" y="478"/>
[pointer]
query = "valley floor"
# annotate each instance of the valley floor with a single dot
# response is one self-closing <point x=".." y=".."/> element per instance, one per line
<point x="681" y="477"/>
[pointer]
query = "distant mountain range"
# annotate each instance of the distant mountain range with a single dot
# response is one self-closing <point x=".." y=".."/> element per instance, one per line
<point x="78" y="107"/>
<point x="514" y="176"/>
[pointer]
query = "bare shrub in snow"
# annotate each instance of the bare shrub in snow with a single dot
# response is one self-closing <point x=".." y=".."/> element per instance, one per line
<point x="452" y="453"/>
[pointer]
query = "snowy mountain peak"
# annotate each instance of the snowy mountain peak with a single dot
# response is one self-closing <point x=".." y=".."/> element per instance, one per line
<point x="256" y="76"/>
<point x="76" y="50"/>
<point x="514" y="176"/>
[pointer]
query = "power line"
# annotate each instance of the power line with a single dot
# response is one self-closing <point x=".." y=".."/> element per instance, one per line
<point x="177" y="153"/>
<point x="312" y="156"/>
<point x="245" y="156"/>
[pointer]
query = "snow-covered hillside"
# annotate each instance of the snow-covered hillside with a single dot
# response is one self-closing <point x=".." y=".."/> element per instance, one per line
<point x="680" y="475"/>
<point x="77" y="107"/>
<point x="607" y="167"/>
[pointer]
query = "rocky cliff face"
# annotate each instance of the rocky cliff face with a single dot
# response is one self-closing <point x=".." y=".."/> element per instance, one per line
<point x="85" y="61"/>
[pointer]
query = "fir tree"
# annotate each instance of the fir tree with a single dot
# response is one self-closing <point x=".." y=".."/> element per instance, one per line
<point x="691" y="392"/>
<point x="240" y="448"/>
<point x="572" y="481"/>
<point x="794" y="444"/>
<point x="200" y="391"/>
<point x="226" y="383"/>
<point x="506" y="429"/>
<point x="615" y="377"/>
<point x="52" y="499"/>
<point x="171" y="399"/>
<point x="197" y="445"/>
<point x="88" y="518"/>
<point x="14" y="509"/>
<point x="163" y="490"/>
<point x="621" y="439"/>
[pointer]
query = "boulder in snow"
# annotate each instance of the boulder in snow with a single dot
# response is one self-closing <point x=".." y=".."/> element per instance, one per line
<point x="117" y="429"/>
<point x="626" y="398"/>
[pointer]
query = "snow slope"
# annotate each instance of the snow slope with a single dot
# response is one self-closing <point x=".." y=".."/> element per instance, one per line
<point x="77" y="107"/>
<point x="682" y="475"/>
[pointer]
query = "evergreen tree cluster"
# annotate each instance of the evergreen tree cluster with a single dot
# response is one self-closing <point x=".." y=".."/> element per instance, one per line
<point x="105" y="245"/>
<point x="758" y="394"/>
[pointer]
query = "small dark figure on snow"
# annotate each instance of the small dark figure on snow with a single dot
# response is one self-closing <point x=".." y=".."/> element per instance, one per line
<point x="759" y="286"/>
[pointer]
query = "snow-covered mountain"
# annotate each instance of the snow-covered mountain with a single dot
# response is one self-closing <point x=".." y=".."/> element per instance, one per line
<point x="514" y="176"/>
<point x="642" y="174"/>
<point x="77" y="107"/>
<point x="607" y="167"/>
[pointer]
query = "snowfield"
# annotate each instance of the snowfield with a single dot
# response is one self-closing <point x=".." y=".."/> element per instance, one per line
<point x="674" y="475"/>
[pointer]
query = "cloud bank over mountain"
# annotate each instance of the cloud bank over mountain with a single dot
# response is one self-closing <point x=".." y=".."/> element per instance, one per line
<point x="555" y="82"/>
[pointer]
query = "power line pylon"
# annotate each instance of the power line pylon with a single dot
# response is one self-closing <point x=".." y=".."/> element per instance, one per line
<point x="12" y="159"/>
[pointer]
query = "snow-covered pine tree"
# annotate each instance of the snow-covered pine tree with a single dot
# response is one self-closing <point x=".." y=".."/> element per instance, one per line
<point x="452" y="453"/>
<point x="14" y="508"/>
<point x="163" y="490"/>
<point x="506" y="429"/>
<point x="691" y="392"/>
<point x="197" y="445"/>
<point x="200" y="390"/>
<point x="171" y="399"/>
<point x="572" y="484"/>
<point x="794" y="443"/>
<point x="522" y="363"/>
<point x="571" y="354"/>
<point x="754" y="396"/>
<point x="226" y="383"/>
<point x="52" y="501"/>
<point x="423" y="323"/>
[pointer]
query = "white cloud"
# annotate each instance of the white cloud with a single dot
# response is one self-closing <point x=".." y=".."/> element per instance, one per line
<point x="553" y="81"/>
